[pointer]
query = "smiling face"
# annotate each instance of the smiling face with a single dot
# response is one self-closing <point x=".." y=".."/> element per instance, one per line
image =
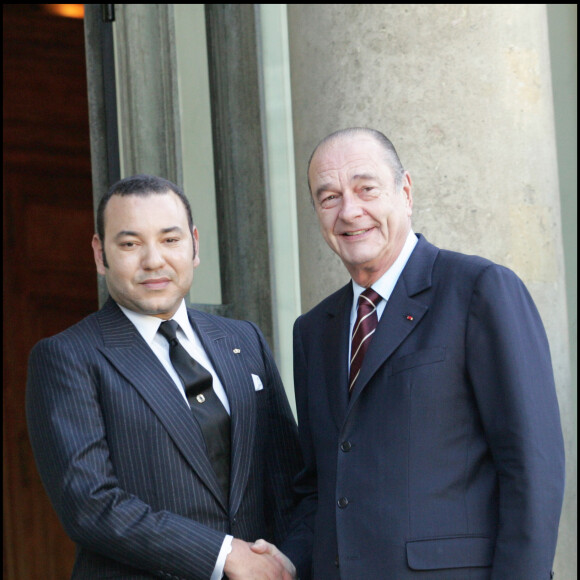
<point x="364" y="217"/>
<point x="150" y="252"/>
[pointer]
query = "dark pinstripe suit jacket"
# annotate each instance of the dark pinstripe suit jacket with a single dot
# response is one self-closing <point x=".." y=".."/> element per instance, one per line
<point x="123" y="459"/>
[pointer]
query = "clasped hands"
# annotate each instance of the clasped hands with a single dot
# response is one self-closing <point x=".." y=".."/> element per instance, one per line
<point x="258" y="561"/>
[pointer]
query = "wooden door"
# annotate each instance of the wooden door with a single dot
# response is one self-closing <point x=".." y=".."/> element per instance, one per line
<point x="49" y="275"/>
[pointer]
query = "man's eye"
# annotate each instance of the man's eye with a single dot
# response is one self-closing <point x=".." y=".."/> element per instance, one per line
<point x="368" y="192"/>
<point x="328" y="200"/>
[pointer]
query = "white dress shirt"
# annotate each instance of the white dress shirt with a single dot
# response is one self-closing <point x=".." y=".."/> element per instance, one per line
<point x="148" y="327"/>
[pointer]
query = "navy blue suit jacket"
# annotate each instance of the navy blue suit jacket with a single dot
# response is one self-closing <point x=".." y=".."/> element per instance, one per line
<point x="447" y="462"/>
<point x="124" y="462"/>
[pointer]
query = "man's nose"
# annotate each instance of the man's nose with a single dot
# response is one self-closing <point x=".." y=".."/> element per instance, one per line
<point x="351" y="206"/>
<point x="152" y="257"/>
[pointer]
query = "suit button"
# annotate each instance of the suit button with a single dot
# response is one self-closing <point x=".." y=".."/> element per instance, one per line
<point x="337" y="562"/>
<point x="342" y="502"/>
<point x="346" y="446"/>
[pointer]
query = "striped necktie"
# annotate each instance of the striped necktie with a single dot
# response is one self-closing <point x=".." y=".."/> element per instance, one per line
<point x="364" y="328"/>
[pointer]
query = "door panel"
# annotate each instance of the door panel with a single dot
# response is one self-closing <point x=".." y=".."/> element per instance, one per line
<point x="49" y="275"/>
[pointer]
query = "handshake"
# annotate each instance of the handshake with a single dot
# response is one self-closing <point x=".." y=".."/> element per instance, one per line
<point x="260" y="560"/>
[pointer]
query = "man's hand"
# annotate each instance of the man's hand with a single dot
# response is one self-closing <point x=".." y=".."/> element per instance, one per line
<point x="263" y="547"/>
<point x="263" y="562"/>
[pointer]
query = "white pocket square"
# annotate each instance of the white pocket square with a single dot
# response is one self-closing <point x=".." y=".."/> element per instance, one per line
<point x="258" y="386"/>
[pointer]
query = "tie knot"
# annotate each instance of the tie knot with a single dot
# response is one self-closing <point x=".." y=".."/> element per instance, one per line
<point x="169" y="329"/>
<point x="369" y="298"/>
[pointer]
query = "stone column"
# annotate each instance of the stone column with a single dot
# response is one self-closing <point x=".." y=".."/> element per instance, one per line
<point x="464" y="93"/>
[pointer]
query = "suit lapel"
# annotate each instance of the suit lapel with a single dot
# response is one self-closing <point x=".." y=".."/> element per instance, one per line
<point x="227" y="356"/>
<point x="126" y="350"/>
<point x="336" y="353"/>
<point x="402" y="314"/>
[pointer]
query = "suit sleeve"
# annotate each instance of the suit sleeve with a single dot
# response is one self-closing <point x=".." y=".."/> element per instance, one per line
<point x="509" y="364"/>
<point x="67" y="430"/>
<point x="300" y="541"/>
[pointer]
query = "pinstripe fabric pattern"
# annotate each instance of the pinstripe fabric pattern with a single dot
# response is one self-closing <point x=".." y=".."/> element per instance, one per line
<point x="123" y="460"/>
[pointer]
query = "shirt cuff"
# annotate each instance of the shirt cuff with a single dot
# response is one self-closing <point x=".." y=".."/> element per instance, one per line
<point x="218" y="571"/>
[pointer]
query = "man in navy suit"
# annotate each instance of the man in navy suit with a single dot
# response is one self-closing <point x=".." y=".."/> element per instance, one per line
<point x="443" y="459"/>
<point x="127" y="463"/>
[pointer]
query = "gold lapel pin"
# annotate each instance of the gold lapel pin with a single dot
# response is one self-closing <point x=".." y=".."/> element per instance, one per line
<point x="237" y="351"/>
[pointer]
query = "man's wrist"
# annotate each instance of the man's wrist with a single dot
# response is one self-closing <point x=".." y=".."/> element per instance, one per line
<point x="218" y="571"/>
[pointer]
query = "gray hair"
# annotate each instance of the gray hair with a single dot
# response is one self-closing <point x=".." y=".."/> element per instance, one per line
<point x="391" y="156"/>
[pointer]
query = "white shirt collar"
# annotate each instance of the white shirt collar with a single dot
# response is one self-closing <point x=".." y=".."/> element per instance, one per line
<point x="148" y="325"/>
<point x="386" y="283"/>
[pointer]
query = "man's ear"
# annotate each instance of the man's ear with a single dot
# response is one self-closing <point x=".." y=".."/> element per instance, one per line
<point x="408" y="191"/>
<point x="195" y="236"/>
<point x="98" y="254"/>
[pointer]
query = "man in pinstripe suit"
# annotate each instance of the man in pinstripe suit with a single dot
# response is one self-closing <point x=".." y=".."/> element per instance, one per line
<point x="118" y="448"/>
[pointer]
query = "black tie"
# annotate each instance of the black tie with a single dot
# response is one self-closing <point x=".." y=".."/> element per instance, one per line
<point x="205" y="404"/>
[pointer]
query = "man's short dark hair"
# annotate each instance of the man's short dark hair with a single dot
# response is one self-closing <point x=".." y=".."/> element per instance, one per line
<point x="140" y="185"/>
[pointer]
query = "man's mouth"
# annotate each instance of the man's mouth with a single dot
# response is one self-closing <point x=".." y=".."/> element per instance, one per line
<point x="357" y="233"/>
<point x="156" y="283"/>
